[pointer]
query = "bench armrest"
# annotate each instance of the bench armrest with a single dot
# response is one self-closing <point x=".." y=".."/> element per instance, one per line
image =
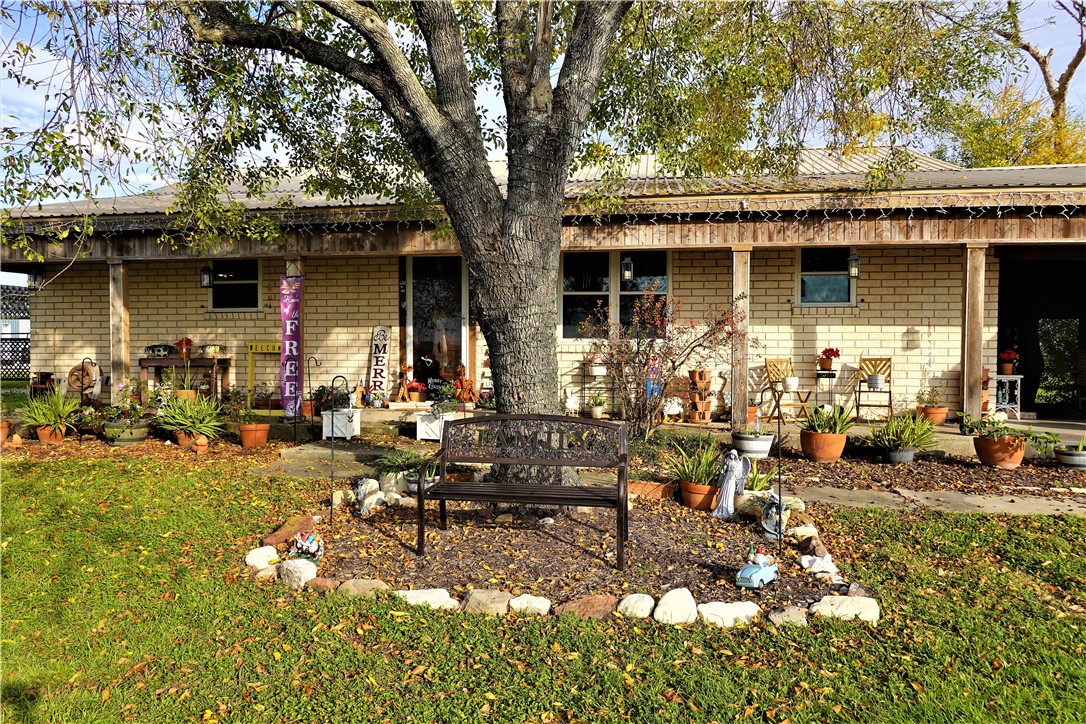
<point x="420" y="491"/>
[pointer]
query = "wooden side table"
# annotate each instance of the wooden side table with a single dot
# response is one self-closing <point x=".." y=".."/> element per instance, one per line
<point x="219" y="367"/>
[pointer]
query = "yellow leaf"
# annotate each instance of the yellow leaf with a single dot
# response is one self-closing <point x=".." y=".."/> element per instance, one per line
<point x="276" y="655"/>
<point x="418" y="669"/>
<point x="105" y="695"/>
<point x="917" y="686"/>
<point x="398" y="613"/>
<point x="490" y="696"/>
<point x="837" y="709"/>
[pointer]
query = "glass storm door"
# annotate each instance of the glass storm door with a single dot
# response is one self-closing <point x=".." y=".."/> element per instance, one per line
<point x="436" y="318"/>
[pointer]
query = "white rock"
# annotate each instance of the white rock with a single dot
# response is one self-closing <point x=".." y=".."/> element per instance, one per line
<point x="437" y="598"/>
<point x="362" y="587"/>
<point x="486" y="601"/>
<point x="296" y="572"/>
<point x="676" y="606"/>
<point x="806" y="561"/>
<point x="394" y="483"/>
<point x="267" y="574"/>
<point x="636" y="605"/>
<point x="392" y="497"/>
<point x="824" y="564"/>
<point x="789" y="616"/>
<point x="373" y="501"/>
<point x="366" y="486"/>
<point x="848" y="608"/>
<point x="342" y="497"/>
<point x="530" y="604"/>
<point x="261" y="557"/>
<point x="407" y="501"/>
<point x="729" y="615"/>
<point x="800" y="532"/>
<point x="546" y="521"/>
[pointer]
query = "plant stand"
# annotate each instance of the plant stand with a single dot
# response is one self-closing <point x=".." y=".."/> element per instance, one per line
<point x="344" y="427"/>
<point x="1008" y="391"/>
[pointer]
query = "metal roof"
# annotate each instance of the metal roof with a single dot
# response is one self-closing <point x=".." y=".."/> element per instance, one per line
<point x="14" y="302"/>
<point x="820" y="171"/>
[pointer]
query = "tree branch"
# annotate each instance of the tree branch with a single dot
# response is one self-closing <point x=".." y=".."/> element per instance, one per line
<point x="439" y="26"/>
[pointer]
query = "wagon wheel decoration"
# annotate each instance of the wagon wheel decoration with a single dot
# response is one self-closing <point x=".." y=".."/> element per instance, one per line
<point x="81" y="377"/>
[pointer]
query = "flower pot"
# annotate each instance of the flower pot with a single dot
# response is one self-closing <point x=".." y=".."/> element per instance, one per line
<point x="346" y="423"/>
<point x="825" y="363"/>
<point x="702" y="405"/>
<point x="752" y="446"/>
<point x="184" y="352"/>
<point x="790" y="384"/>
<point x="652" y="490"/>
<point x="934" y="415"/>
<point x="125" y="433"/>
<point x="1072" y="457"/>
<point x="1006" y="368"/>
<point x="5" y="429"/>
<point x="896" y="457"/>
<point x="822" y="447"/>
<point x="416" y="396"/>
<point x="184" y="440"/>
<point x="752" y="412"/>
<point x="185" y="394"/>
<point x="49" y="436"/>
<point x="596" y="412"/>
<point x="255" y="435"/>
<point x="699" y="377"/>
<point x="211" y="350"/>
<point x="875" y="382"/>
<point x="699" y="497"/>
<point x="309" y="408"/>
<point x="431" y="425"/>
<point x="1000" y="452"/>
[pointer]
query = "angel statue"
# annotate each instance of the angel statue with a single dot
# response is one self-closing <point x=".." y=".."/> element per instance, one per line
<point x="733" y="474"/>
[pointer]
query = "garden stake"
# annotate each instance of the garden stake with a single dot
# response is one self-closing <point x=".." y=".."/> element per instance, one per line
<point x="780" y="501"/>
<point x="309" y="381"/>
<point x="332" y="442"/>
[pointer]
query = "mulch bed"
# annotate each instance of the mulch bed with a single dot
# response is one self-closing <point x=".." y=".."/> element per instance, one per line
<point x="863" y="470"/>
<point x="670" y="546"/>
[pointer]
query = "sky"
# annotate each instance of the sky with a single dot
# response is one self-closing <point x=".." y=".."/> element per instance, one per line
<point x="1043" y="23"/>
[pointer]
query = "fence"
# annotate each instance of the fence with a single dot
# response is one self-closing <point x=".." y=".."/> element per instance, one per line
<point x="15" y="357"/>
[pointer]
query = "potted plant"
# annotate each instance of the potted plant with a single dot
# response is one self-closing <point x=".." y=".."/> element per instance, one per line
<point x="123" y="422"/>
<point x="822" y="435"/>
<point x="430" y="424"/>
<point x="263" y="395"/>
<point x="999" y="445"/>
<point x="643" y="484"/>
<point x="398" y="470"/>
<point x="594" y="365"/>
<point x="212" y="350"/>
<point x="901" y="437"/>
<point x="252" y="432"/>
<point x="595" y="405"/>
<point x="186" y="382"/>
<point x="752" y="443"/>
<point x="1007" y="358"/>
<point x="825" y="360"/>
<point x="697" y="472"/>
<point x="416" y="391"/>
<point x="190" y="419"/>
<point x="929" y="404"/>
<point x="5" y="423"/>
<point x="184" y="347"/>
<point x="51" y="415"/>
<point x="1073" y="456"/>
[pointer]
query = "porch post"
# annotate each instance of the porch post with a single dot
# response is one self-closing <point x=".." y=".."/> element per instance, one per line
<point x="119" y="357"/>
<point x="973" y="327"/>
<point x="740" y="363"/>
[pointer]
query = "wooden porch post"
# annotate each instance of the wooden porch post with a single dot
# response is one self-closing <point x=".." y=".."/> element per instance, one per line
<point x="973" y="327"/>
<point x="740" y="362"/>
<point x="119" y="356"/>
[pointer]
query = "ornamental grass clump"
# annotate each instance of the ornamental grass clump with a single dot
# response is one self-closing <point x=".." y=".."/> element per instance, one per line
<point x="904" y="432"/>
<point x="835" y="420"/>
<point x="699" y="466"/>
<point x="54" y="410"/>
<point x="195" y="417"/>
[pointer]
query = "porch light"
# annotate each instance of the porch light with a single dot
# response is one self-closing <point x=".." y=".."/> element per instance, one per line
<point x="853" y="266"/>
<point x="206" y="277"/>
<point x="627" y="269"/>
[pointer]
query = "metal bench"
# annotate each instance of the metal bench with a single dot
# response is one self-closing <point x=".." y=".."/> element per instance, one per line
<point x="534" y="440"/>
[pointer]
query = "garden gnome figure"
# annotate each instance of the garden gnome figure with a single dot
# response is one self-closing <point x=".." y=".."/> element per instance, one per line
<point x="732" y="477"/>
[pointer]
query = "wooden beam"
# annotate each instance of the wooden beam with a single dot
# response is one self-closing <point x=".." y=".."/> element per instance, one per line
<point x="973" y="326"/>
<point x="740" y="359"/>
<point x="119" y="355"/>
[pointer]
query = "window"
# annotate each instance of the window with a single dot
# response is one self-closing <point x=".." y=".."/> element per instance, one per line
<point x="593" y="281"/>
<point x="823" y="277"/>
<point x="235" y="285"/>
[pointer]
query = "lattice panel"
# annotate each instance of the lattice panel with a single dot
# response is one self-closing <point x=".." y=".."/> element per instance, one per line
<point x="15" y="358"/>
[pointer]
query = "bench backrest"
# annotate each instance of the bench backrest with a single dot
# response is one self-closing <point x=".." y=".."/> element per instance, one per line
<point x="535" y="440"/>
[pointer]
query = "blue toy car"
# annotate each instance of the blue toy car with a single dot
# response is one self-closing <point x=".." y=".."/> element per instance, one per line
<point x="754" y="575"/>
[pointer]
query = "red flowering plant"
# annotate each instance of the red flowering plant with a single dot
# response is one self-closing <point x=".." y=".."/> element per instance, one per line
<point x="831" y="353"/>
<point x="415" y="386"/>
<point x="183" y="343"/>
<point x="1008" y="355"/>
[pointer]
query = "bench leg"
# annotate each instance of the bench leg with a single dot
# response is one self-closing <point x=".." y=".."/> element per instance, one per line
<point x="444" y="523"/>
<point x="422" y="528"/>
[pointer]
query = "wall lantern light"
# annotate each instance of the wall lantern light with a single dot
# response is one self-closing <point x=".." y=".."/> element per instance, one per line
<point x="627" y="269"/>
<point x="206" y="277"/>
<point x="853" y="266"/>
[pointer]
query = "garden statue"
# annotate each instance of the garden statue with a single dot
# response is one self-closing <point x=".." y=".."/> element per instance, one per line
<point x="401" y="393"/>
<point x="307" y="546"/>
<point x="732" y="476"/>
<point x="465" y="387"/>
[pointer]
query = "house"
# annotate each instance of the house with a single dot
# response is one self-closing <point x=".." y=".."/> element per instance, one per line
<point x="954" y="265"/>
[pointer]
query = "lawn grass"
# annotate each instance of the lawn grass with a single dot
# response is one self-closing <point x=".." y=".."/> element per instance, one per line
<point x="121" y="602"/>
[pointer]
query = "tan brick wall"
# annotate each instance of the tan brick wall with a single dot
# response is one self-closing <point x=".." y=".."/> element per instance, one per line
<point x="69" y="319"/>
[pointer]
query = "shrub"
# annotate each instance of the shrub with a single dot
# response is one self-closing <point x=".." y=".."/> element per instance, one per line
<point x="54" y="410"/>
<point x="835" y="420"/>
<point x="398" y="461"/>
<point x="700" y="466"/>
<point x="904" y="432"/>
<point x="198" y="416"/>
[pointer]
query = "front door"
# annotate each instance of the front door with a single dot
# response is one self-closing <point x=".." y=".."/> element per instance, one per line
<point x="437" y="323"/>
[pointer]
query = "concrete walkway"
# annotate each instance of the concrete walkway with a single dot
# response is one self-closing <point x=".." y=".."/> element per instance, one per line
<point x="950" y="501"/>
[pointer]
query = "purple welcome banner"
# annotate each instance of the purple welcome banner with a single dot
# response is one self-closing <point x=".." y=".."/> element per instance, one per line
<point x="290" y="358"/>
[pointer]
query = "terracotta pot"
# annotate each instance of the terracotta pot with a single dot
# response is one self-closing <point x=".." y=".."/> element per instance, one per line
<point x="185" y="394"/>
<point x="825" y="363"/>
<point x="822" y="447"/>
<point x="5" y="428"/>
<point x="184" y="352"/>
<point x="699" y="497"/>
<point x="200" y="445"/>
<point x="183" y="439"/>
<point x="934" y="415"/>
<point x="703" y="405"/>
<point x="49" y="436"/>
<point x="699" y="376"/>
<point x="752" y="411"/>
<point x="1000" y="452"/>
<point x="652" y="490"/>
<point x="416" y="396"/>
<point x="309" y="408"/>
<point x="1006" y="368"/>
<point x="255" y="435"/>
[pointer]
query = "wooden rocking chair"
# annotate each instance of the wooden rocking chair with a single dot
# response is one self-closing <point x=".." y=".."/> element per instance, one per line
<point x="776" y="369"/>
<point x="874" y="366"/>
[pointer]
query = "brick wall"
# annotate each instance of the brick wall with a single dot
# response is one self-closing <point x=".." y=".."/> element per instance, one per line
<point x="69" y="319"/>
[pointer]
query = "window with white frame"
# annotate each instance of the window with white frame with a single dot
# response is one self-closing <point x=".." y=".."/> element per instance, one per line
<point x="235" y="285"/>
<point x="594" y="280"/>
<point x="823" y="277"/>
